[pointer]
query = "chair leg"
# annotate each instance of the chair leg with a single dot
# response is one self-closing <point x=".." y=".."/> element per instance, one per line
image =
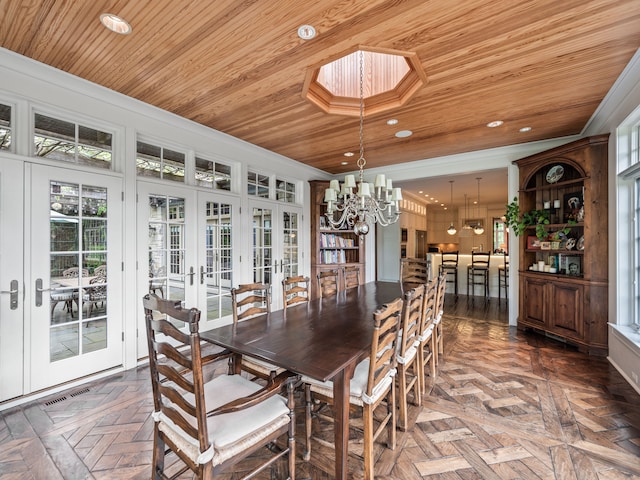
<point x="158" y="455"/>
<point x="402" y="397"/>
<point x="307" y="423"/>
<point x="367" y="417"/>
<point x="291" y="457"/>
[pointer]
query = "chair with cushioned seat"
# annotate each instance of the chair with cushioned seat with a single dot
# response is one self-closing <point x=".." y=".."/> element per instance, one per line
<point x="413" y="272"/>
<point x="295" y="290"/>
<point x="210" y="426"/>
<point x="328" y="283"/>
<point x="250" y="300"/>
<point x="351" y="276"/>
<point x="372" y="387"/>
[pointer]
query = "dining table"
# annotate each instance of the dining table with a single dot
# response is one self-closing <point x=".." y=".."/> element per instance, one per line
<point x="323" y="339"/>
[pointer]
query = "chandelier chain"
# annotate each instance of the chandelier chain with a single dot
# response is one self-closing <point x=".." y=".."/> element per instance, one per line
<point x="361" y="160"/>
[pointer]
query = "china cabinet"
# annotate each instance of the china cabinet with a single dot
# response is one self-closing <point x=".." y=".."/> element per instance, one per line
<point x="563" y="278"/>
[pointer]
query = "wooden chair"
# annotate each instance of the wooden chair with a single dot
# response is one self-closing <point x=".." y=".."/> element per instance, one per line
<point x="210" y="426"/>
<point x="248" y="301"/>
<point x="426" y="335"/>
<point x="295" y="290"/>
<point x="438" y="348"/>
<point x="327" y="283"/>
<point x="503" y="278"/>
<point x="449" y="265"/>
<point x="478" y="272"/>
<point x="351" y="276"/>
<point x="372" y="387"/>
<point x="407" y="353"/>
<point x="413" y="272"/>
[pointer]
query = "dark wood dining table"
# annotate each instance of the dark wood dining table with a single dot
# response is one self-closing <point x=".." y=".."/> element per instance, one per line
<point x="324" y="339"/>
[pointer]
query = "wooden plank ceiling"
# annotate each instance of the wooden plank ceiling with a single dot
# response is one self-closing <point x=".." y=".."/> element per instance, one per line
<point x="239" y="66"/>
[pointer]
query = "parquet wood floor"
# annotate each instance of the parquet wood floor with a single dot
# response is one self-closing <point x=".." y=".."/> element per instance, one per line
<point x="505" y="405"/>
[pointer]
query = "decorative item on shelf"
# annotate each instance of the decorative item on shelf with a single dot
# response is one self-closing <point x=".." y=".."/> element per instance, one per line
<point x="580" y="244"/>
<point x="571" y="242"/>
<point x="373" y="203"/>
<point x="518" y="223"/>
<point x="573" y="204"/>
<point x="478" y="229"/>
<point x="452" y="229"/>
<point x="555" y="174"/>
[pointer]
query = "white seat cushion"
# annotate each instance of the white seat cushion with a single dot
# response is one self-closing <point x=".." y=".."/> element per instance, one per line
<point x="230" y="433"/>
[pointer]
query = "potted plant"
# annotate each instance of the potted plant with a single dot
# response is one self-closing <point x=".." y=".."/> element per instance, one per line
<point x="518" y="223"/>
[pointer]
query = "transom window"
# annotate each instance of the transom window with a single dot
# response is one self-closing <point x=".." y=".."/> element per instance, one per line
<point x="214" y="175"/>
<point x="66" y="141"/>
<point x="258" y="184"/>
<point x="5" y="127"/>
<point x="159" y="162"/>
<point x="285" y="191"/>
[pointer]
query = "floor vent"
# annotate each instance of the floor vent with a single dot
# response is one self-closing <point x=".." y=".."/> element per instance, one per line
<point x="75" y="394"/>
<point x="56" y="400"/>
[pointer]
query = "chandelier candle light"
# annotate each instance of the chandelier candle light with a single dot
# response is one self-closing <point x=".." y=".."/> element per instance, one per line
<point x="374" y="202"/>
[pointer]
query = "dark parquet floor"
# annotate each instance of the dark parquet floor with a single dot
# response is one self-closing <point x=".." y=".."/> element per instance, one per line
<point x="505" y="405"/>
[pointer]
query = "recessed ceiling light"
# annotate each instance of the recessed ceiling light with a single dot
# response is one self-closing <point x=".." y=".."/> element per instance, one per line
<point x="420" y="191"/>
<point x="115" y="23"/>
<point x="306" y="32"/>
<point x="525" y="129"/>
<point x="349" y="154"/>
<point x="404" y="133"/>
<point x="392" y="121"/>
<point x="442" y="205"/>
<point x="344" y="163"/>
<point x="495" y="123"/>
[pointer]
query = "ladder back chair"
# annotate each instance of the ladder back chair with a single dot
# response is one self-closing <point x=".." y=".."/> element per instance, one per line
<point x="210" y="426"/>
<point x="413" y="272"/>
<point x="407" y="353"/>
<point x="438" y="348"/>
<point x="328" y="282"/>
<point x="478" y="272"/>
<point x="372" y="387"/>
<point x="295" y="290"/>
<point x="449" y="265"/>
<point x="427" y="336"/>
<point x="351" y="276"/>
<point x="250" y="300"/>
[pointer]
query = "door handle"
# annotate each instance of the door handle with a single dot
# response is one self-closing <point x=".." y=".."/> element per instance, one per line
<point x="13" y="301"/>
<point x="191" y="274"/>
<point x="39" y="291"/>
<point x="281" y="266"/>
<point x="201" y="275"/>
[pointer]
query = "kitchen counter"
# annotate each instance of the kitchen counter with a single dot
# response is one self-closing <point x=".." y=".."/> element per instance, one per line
<point x="464" y="260"/>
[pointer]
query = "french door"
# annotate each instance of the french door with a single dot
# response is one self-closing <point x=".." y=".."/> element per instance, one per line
<point x="11" y="279"/>
<point x="56" y="328"/>
<point x="276" y="252"/>
<point x="188" y="255"/>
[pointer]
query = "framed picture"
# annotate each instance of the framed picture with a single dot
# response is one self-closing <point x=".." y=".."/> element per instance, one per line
<point x="533" y="242"/>
<point x="323" y="223"/>
<point x="545" y="245"/>
<point x="571" y="265"/>
<point x="572" y="204"/>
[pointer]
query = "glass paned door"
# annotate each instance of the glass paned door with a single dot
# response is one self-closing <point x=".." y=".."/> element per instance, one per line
<point x="216" y="233"/>
<point x="275" y="245"/>
<point x="75" y="316"/>
<point x="11" y="279"/>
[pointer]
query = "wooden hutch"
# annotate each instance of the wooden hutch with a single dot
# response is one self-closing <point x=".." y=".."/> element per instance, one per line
<point x="331" y="248"/>
<point x="570" y="182"/>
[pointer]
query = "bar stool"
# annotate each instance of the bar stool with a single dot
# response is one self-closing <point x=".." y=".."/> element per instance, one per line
<point x="449" y="265"/>
<point x="503" y="278"/>
<point x="478" y="272"/>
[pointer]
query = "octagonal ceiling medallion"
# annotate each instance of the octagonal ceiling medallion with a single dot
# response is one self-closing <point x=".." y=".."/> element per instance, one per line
<point x="390" y="78"/>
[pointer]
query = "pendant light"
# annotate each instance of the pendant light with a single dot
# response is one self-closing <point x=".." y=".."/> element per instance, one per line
<point x="478" y="230"/>
<point x="452" y="229"/>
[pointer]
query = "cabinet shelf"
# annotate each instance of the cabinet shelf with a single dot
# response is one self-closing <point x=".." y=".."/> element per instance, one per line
<point x="557" y="185"/>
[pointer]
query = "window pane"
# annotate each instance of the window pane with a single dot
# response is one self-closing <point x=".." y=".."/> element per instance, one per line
<point x="223" y="176"/>
<point x="54" y="138"/>
<point x="5" y="127"/>
<point x="204" y="173"/>
<point x="173" y="165"/>
<point x="94" y="147"/>
<point x="148" y="160"/>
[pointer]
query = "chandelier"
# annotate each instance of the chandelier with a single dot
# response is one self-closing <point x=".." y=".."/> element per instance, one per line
<point x="478" y="229"/>
<point x="452" y="229"/>
<point x="377" y="202"/>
